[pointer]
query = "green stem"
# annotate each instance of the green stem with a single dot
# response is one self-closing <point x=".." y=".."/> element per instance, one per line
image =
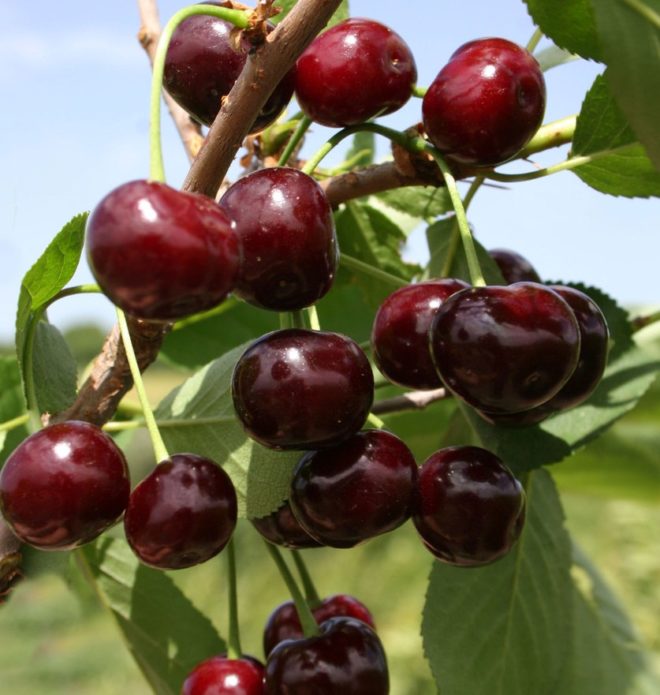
<point x="313" y="317"/>
<point x="375" y="421"/>
<point x="419" y="92"/>
<point x="534" y="40"/>
<point x="234" y="650"/>
<point x="309" y="626"/>
<point x="157" y="442"/>
<point x="362" y="267"/>
<point x="297" y="319"/>
<point x="311" y="594"/>
<point x="121" y="425"/>
<point x="645" y="11"/>
<point x="550" y="135"/>
<point x="15" y="422"/>
<point x="239" y="18"/>
<point x="294" y="140"/>
<point x="476" y="276"/>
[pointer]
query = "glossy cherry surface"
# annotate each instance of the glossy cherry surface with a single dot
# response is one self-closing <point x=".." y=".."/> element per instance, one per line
<point x="63" y="486"/>
<point x="220" y="675"/>
<point x="513" y="266"/>
<point x="400" y="334"/>
<point x="486" y="104"/>
<point x="202" y="64"/>
<point x="183" y="513"/>
<point x="347" y="658"/>
<point x="470" y="509"/>
<point x="505" y="349"/>
<point x="300" y="389"/>
<point x="354" y="71"/>
<point x="287" y="234"/>
<point x="159" y="253"/>
<point x="356" y="490"/>
<point x="282" y="528"/>
<point x="283" y="623"/>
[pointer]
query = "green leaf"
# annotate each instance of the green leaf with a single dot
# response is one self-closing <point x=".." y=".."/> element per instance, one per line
<point x="165" y="633"/>
<point x="417" y="202"/>
<point x="203" y="422"/>
<point x="601" y="128"/>
<point x="12" y="404"/>
<point x="573" y="28"/>
<point x="340" y="14"/>
<point x="503" y="629"/>
<point x="629" y="33"/>
<point x="55" y="372"/>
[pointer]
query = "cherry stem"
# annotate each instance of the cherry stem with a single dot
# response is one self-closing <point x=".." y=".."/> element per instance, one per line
<point x="553" y="134"/>
<point x="15" y="422"/>
<point x="234" y="650"/>
<point x="311" y="594"/>
<point x="375" y="421"/>
<point x="309" y="626"/>
<point x="160" y="450"/>
<point x="367" y="269"/>
<point x="297" y="319"/>
<point x="313" y="317"/>
<point x="294" y="140"/>
<point x="419" y="92"/>
<point x="534" y="40"/>
<point x="645" y="11"/>
<point x="239" y="18"/>
<point x="476" y="276"/>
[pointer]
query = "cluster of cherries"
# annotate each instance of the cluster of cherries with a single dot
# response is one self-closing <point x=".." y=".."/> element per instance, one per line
<point x="515" y="353"/>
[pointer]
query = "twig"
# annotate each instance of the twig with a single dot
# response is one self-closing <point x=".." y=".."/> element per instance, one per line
<point x="10" y="559"/>
<point x="413" y="400"/>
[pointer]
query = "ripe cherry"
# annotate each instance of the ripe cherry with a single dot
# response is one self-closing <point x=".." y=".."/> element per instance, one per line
<point x="283" y="623"/>
<point x="505" y="349"/>
<point x="202" y="64"/>
<point x="63" y="486"/>
<point x="183" y="513"/>
<point x="220" y="675"/>
<point x="486" y="104"/>
<point x="470" y="509"/>
<point x="287" y="234"/>
<point x="282" y="528"/>
<point x="400" y="334"/>
<point x="513" y="266"/>
<point x="356" y="490"/>
<point x="347" y="658"/>
<point x="300" y="389"/>
<point x="357" y="70"/>
<point x="159" y="253"/>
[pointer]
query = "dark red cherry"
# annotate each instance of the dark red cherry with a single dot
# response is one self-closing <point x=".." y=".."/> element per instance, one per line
<point x="159" y="253"/>
<point x="300" y="389"/>
<point x="486" y="103"/>
<point x="513" y="266"/>
<point x="220" y="675"/>
<point x="63" y="486"/>
<point x="183" y="513"/>
<point x="505" y="349"/>
<point x="400" y="334"/>
<point x="282" y="528"/>
<point x="287" y="234"/>
<point x="470" y="509"/>
<point x="283" y="623"/>
<point x="347" y="658"/>
<point x="356" y="490"/>
<point x="357" y="70"/>
<point x="202" y="63"/>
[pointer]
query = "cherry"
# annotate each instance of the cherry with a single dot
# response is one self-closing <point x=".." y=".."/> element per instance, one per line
<point x="356" y="490"/>
<point x="300" y="389"/>
<point x="505" y="349"/>
<point x="400" y="334"/>
<point x="63" y="486"/>
<point x="357" y="70"/>
<point x="202" y="64"/>
<point x="183" y="513"/>
<point x="347" y="658"/>
<point x="486" y="104"/>
<point x="513" y="266"/>
<point x="159" y="253"/>
<point x="282" y="528"/>
<point x="220" y="675"/>
<point x="283" y="623"/>
<point x="470" y="509"/>
<point x="287" y="233"/>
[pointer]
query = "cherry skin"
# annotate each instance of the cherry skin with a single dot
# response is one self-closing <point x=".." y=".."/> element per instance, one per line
<point x="505" y="349"/>
<point x="400" y="334"/>
<point x="287" y="234"/>
<point x="183" y="513"/>
<point x="63" y="486"/>
<point x="282" y="528"/>
<point x="283" y="623"/>
<point x="159" y="253"/>
<point x="354" y="71"/>
<point x="486" y="104"/>
<point x="470" y="509"/>
<point x="202" y="64"/>
<point x="300" y="389"/>
<point x="220" y="675"/>
<point x="513" y="266"/>
<point x="347" y="658"/>
<point x="356" y="490"/>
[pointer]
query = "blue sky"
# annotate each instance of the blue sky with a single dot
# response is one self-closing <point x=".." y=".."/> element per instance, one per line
<point x="75" y="124"/>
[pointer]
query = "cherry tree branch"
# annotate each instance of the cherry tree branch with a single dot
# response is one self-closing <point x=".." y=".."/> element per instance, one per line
<point x="10" y="559"/>
<point x="413" y="400"/>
